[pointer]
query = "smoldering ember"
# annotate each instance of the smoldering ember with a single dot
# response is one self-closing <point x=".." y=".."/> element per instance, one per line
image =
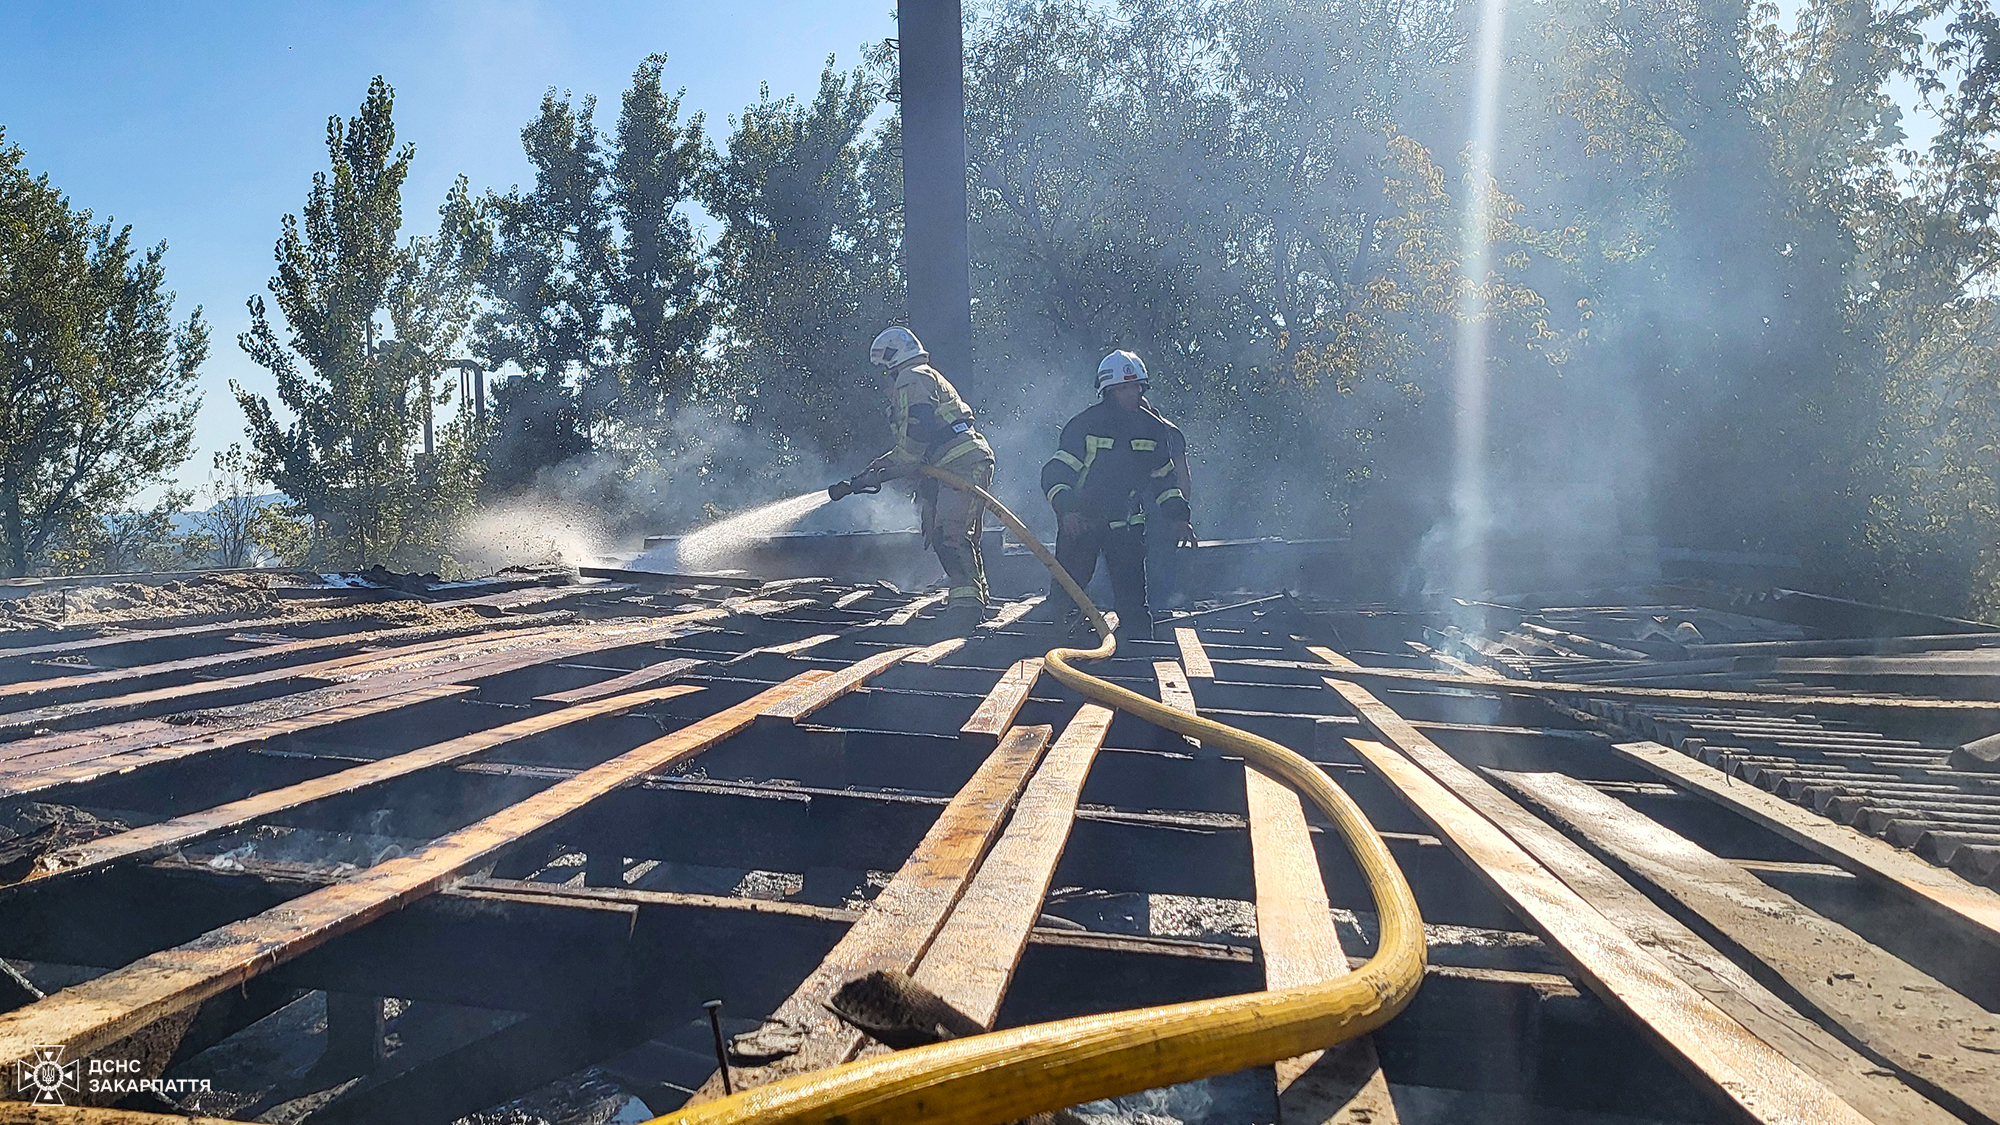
<point x="1184" y="562"/>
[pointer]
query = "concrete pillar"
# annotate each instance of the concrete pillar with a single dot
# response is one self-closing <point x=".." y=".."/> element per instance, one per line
<point x="936" y="252"/>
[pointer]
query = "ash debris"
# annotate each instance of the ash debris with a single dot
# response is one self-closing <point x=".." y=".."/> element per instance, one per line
<point x="209" y="598"/>
<point x="31" y="830"/>
<point x="115" y="602"/>
<point x="589" y="1098"/>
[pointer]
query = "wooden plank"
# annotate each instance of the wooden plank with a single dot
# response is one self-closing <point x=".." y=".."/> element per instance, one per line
<point x="1692" y="1037"/>
<point x="198" y="693"/>
<point x="1012" y="612"/>
<point x="150" y="743"/>
<point x="563" y="640"/>
<point x="1173" y="682"/>
<point x="87" y="1016"/>
<point x="1193" y="657"/>
<point x="92" y="738"/>
<point x="163" y="837"/>
<point x="630" y="681"/>
<point x="487" y="889"/>
<point x="345" y="596"/>
<point x="973" y="957"/>
<point x="937" y="652"/>
<point x="137" y="577"/>
<point x="142" y="636"/>
<point x="766" y="607"/>
<point x="1295" y="929"/>
<point x="1912" y="880"/>
<point x="1862" y="1082"/>
<point x="1452" y="663"/>
<point x="26" y="1113"/>
<point x="671" y="629"/>
<point x="382" y="682"/>
<point x="439" y="635"/>
<point x="1344" y="1084"/>
<point x="1800" y="702"/>
<point x="896" y="928"/>
<point x="1729" y="1063"/>
<point x="793" y="648"/>
<point x="1896" y="1012"/>
<point x="909" y="612"/>
<point x="542" y="597"/>
<point x="1332" y="657"/>
<point x="665" y="578"/>
<point x="1848" y="646"/>
<point x="442" y="657"/>
<point x="797" y="706"/>
<point x="996" y="712"/>
<point x="853" y="596"/>
<point x="1174" y="690"/>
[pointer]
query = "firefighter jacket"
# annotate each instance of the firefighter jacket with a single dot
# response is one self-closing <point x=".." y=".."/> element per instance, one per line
<point x="931" y="424"/>
<point x="1176" y="444"/>
<point x="1112" y="462"/>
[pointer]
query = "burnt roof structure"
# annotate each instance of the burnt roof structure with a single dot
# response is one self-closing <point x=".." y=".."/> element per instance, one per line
<point x="435" y="852"/>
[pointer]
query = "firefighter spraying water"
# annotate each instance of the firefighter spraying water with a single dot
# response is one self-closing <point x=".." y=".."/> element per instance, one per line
<point x="932" y="426"/>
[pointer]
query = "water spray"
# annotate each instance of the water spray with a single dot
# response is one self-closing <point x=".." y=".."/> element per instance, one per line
<point x="709" y="546"/>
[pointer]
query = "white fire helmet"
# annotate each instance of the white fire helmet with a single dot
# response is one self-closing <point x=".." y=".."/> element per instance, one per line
<point x="896" y="346"/>
<point x="1120" y="367"/>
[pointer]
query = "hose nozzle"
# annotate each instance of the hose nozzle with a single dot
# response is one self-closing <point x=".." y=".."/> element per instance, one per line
<point x="867" y="480"/>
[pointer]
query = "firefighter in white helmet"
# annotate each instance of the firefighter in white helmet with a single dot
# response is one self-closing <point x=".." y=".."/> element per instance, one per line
<point x="932" y="426"/>
<point x="1114" y="461"/>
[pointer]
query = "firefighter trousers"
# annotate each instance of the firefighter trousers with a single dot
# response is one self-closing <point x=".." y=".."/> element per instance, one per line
<point x="1124" y="551"/>
<point x="952" y="521"/>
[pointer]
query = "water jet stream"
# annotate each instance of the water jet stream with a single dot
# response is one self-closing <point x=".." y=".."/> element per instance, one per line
<point x="709" y="546"/>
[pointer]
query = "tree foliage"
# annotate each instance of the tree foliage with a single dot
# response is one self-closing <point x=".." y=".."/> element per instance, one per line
<point x="243" y="525"/>
<point x="370" y="321"/>
<point x="599" y="293"/>
<point x="129" y="541"/>
<point x="1239" y="193"/>
<point x="1719" y="295"/>
<point x="807" y="260"/>
<point x="97" y="393"/>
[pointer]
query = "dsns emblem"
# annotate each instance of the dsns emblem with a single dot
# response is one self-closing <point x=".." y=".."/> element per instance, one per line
<point x="43" y="1076"/>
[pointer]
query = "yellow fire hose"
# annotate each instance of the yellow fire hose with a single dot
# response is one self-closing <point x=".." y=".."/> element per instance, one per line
<point x="1006" y="1075"/>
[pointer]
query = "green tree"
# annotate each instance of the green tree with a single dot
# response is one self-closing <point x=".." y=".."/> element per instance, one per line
<point x="1239" y="193"/>
<point x="600" y="294"/>
<point x="663" y="284"/>
<point x="549" y="280"/>
<point x="357" y="388"/>
<point x="132" y="541"/>
<point x="97" y="393"/>
<point x="229" y="523"/>
<point x="1923" y="322"/>
<point x="807" y="262"/>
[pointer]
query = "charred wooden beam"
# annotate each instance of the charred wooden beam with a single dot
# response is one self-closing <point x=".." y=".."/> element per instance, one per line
<point x="899" y="925"/>
<point x="101" y="1010"/>
<point x="161" y="838"/>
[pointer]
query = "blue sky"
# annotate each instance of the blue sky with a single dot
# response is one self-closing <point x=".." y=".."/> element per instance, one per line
<point x="202" y="123"/>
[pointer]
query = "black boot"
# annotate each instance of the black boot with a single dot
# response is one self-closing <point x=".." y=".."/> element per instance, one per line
<point x="960" y="618"/>
<point x="1135" y="627"/>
